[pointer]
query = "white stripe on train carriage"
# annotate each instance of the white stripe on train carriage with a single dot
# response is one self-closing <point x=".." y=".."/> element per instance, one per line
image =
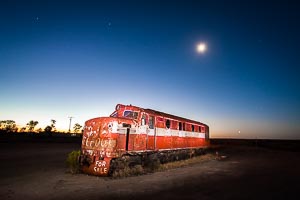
<point x="122" y="130"/>
<point x="168" y="132"/>
<point x="174" y="133"/>
<point x="151" y="132"/>
<point x="162" y="132"/>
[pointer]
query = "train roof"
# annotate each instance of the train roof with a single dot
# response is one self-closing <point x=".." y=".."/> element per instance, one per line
<point x="159" y="113"/>
<point x="172" y="116"/>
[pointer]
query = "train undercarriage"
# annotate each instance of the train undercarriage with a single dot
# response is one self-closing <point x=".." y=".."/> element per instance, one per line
<point x="146" y="161"/>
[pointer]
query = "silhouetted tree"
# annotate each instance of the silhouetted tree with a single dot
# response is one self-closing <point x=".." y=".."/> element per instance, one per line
<point x="40" y="130"/>
<point x="31" y="125"/>
<point x="48" y="130"/>
<point x="2" y="125"/>
<point x="53" y="128"/>
<point x="77" y="127"/>
<point x="8" y="125"/>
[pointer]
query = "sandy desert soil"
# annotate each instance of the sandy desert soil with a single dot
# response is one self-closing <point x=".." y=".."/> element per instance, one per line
<point x="38" y="171"/>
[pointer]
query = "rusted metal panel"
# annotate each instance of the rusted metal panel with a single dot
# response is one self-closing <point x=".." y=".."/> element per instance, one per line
<point x="101" y="141"/>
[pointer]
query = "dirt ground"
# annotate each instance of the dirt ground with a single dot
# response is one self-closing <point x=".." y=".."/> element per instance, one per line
<point x="38" y="171"/>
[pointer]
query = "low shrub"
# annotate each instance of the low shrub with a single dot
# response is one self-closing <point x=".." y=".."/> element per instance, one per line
<point x="128" y="171"/>
<point x="186" y="162"/>
<point x="73" y="162"/>
<point x="152" y="163"/>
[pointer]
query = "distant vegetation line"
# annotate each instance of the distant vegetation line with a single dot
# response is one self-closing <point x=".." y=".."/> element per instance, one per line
<point x="9" y="126"/>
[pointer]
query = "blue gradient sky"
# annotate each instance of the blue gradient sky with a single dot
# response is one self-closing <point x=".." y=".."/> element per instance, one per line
<point x="81" y="58"/>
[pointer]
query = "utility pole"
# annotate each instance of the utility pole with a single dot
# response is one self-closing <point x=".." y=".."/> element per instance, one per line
<point x="70" y="124"/>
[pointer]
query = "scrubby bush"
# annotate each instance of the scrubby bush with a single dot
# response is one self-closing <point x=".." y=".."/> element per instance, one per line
<point x="152" y="163"/>
<point x="73" y="162"/>
<point x="128" y="171"/>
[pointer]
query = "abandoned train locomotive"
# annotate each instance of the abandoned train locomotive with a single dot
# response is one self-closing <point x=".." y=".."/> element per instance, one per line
<point x="132" y="131"/>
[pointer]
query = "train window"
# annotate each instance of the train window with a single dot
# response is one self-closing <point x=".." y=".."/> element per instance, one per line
<point x="143" y="121"/>
<point x="203" y="129"/>
<point x="135" y="115"/>
<point x="180" y="126"/>
<point x="151" y="122"/>
<point x="130" y="114"/>
<point x="168" y="123"/>
<point x="183" y="126"/>
<point x="193" y="128"/>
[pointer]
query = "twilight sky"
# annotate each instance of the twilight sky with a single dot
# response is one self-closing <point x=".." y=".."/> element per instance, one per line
<point x="80" y="58"/>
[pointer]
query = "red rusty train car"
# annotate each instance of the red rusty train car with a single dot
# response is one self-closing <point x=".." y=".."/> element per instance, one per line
<point x="134" y="131"/>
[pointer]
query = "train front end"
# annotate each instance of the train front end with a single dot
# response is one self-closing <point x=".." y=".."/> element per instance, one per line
<point x="103" y="139"/>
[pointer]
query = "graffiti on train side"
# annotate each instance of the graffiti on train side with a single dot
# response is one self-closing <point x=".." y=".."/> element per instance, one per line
<point x="100" y="167"/>
<point x="98" y="142"/>
<point x="105" y="128"/>
<point x="92" y="130"/>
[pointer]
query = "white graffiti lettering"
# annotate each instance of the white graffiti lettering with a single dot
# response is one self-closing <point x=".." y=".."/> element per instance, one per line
<point x="100" y="170"/>
<point x="100" y="167"/>
<point x="107" y="143"/>
<point x="100" y="163"/>
<point x="90" y="152"/>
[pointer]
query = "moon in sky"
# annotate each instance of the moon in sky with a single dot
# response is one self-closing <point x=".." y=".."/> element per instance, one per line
<point x="201" y="47"/>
